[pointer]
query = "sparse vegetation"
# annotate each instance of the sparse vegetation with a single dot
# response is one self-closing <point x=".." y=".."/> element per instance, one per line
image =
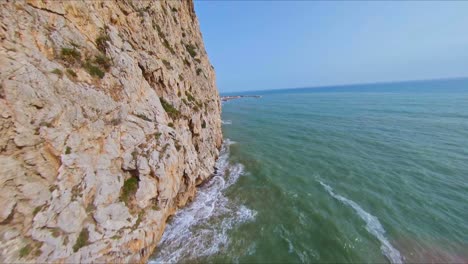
<point x="129" y="189"/>
<point x="74" y="44"/>
<point x="65" y="241"/>
<point x="168" y="46"/>
<point x="93" y="70"/>
<point x="36" y="210"/>
<point x="177" y="146"/>
<point x="190" y="96"/>
<point x="157" y="135"/>
<point x="139" y="219"/>
<point x="103" y="61"/>
<point x="57" y="71"/>
<point x="160" y="33"/>
<point x="134" y="154"/>
<point x="44" y="123"/>
<point x="67" y="150"/>
<point x="90" y="208"/>
<point x="101" y="42"/>
<point x="199" y="71"/>
<point x="56" y="233"/>
<point x="144" y="117"/>
<point x="170" y="125"/>
<point x="24" y="251"/>
<point x="71" y="73"/>
<point x="199" y="104"/>
<point x="191" y="50"/>
<point x="170" y="110"/>
<point x="82" y="240"/>
<point x="164" y="148"/>
<point x="70" y="55"/>
<point x="163" y="37"/>
<point x="70" y="52"/>
<point x="116" y="121"/>
<point x="76" y="192"/>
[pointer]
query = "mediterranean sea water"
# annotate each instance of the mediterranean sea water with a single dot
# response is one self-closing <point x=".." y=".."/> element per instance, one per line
<point x="374" y="173"/>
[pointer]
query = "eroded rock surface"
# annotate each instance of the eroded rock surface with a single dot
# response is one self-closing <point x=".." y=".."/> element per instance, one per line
<point x="109" y="118"/>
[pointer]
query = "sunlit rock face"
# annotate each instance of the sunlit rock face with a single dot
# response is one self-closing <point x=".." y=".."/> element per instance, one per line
<point x="109" y="118"/>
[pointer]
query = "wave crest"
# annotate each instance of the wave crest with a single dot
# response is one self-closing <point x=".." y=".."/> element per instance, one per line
<point x="200" y="229"/>
<point x="373" y="226"/>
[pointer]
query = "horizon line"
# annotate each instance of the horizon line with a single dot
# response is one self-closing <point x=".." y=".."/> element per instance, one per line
<point x="350" y="84"/>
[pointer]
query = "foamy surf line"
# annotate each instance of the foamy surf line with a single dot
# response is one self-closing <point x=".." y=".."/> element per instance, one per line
<point x="373" y="226"/>
<point x="201" y="228"/>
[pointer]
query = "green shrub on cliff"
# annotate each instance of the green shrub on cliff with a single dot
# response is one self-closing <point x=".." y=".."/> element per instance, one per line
<point x="71" y="73"/>
<point x="170" y="110"/>
<point x="129" y="189"/>
<point x="82" y="240"/>
<point x="25" y="251"/>
<point x="70" y="55"/>
<point x="163" y="37"/>
<point x="93" y="70"/>
<point x="58" y="72"/>
<point x="101" y="42"/>
<point x="190" y="96"/>
<point x="191" y="50"/>
<point x="103" y="61"/>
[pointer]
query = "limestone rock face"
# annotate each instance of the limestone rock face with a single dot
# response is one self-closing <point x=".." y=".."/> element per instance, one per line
<point x="109" y="118"/>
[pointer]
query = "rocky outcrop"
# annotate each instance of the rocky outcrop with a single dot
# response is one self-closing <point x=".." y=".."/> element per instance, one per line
<point x="109" y="118"/>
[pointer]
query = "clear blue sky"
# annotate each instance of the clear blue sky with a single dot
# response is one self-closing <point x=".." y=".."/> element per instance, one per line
<point x="273" y="44"/>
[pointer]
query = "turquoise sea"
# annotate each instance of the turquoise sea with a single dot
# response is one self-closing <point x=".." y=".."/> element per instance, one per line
<point x="374" y="173"/>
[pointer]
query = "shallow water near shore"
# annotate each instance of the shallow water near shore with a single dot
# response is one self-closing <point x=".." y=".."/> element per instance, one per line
<point x="362" y="173"/>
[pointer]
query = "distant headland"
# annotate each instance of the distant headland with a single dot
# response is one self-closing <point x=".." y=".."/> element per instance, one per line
<point x="233" y="97"/>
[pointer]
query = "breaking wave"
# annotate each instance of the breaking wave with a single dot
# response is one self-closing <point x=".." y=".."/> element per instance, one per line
<point x="373" y="226"/>
<point x="200" y="229"/>
<point x="227" y="122"/>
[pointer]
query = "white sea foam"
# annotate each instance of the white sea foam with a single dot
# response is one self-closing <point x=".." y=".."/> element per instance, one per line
<point x="285" y="235"/>
<point x="201" y="228"/>
<point x="373" y="226"/>
<point x="227" y="122"/>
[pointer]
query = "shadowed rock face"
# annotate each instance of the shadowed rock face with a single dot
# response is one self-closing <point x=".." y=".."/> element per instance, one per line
<point x="109" y="118"/>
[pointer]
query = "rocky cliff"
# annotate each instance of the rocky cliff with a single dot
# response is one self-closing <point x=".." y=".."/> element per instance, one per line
<point x="109" y="118"/>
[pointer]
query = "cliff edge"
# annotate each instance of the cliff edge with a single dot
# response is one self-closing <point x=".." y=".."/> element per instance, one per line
<point x="109" y="118"/>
